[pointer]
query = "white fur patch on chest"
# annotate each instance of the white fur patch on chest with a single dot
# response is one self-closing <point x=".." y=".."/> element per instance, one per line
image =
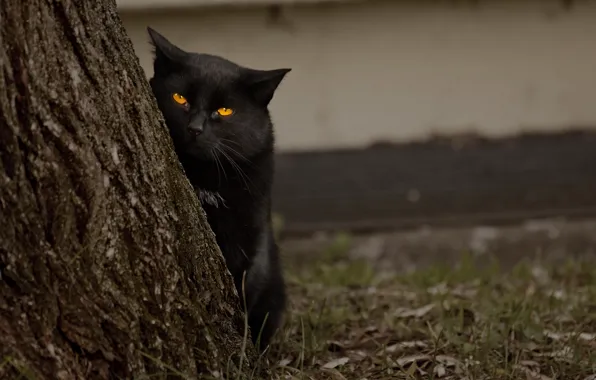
<point x="211" y="198"/>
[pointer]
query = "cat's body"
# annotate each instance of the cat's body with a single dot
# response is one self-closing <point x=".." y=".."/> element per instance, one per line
<point x="217" y="115"/>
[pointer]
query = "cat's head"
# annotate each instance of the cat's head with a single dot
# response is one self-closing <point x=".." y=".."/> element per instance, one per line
<point x="212" y="105"/>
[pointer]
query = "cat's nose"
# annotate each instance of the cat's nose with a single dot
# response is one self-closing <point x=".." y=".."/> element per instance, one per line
<point x="196" y="128"/>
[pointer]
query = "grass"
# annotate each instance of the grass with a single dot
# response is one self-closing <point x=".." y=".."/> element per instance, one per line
<point x="535" y="322"/>
<point x="345" y="322"/>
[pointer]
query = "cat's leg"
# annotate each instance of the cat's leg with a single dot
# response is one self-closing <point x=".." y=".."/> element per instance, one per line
<point x="267" y="310"/>
<point x="265" y="290"/>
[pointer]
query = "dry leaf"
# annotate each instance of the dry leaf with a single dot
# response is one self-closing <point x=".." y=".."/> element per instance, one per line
<point x="371" y="329"/>
<point x="336" y="363"/>
<point x="357" y="355"/>
<point x="529" y="363"/>
<point x="464" y="292"/>
<point x="532" y="375"/>
<point x="412" y="359"/>
<point x="565" y="353"/>
<point x="440" y="288"/>
<point x="587" y="336"/>
<point x="440" y="370"/>
<point x="403" y="345"/>
<point x="420" y="312"/>
<point x="564" y="336"/>
<point x="448" y="361"/>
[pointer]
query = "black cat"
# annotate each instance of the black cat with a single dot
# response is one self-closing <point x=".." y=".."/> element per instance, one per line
<point x="217" y="115"/>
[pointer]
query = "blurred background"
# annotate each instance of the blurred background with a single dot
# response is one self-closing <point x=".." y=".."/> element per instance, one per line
<point x="413" y="131"/>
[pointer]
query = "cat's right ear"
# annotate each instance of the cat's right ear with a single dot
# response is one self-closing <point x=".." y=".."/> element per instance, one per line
<point x="165" y="51"/>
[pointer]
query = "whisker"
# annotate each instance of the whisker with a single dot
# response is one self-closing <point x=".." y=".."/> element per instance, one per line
<point x="217" y="165"/>
<point x="243" y="176"/>
<point x="238" y="154"/>
<point x="231" y="141"/>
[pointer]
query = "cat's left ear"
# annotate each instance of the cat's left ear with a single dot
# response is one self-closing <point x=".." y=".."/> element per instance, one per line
<point x="164" y="49"/>
<point x="263" y="83"/>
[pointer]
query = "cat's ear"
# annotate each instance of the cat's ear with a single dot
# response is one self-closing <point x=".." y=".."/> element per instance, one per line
<point x="263" y="83"/>
<point x="165" y="51"/>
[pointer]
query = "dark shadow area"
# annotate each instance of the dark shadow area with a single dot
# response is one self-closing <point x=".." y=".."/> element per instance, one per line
<point x="442" y="181"/>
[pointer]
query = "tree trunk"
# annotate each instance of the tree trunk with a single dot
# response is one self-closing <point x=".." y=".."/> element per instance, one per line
<point x="108" y="268"/>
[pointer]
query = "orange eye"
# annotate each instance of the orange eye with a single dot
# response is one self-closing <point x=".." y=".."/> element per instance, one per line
<point x="179" y="99"/>
<point x="225" y="111"/>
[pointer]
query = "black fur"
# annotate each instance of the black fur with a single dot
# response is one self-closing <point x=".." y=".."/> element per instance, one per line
<point x="229" y="161"/>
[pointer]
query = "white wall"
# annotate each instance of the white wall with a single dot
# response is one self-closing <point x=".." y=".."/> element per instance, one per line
<point x="163" y="4"/>
<point x="394" y="70"/>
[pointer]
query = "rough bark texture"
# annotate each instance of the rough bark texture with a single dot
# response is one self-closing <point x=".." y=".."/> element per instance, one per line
<point x="107" y="266"/>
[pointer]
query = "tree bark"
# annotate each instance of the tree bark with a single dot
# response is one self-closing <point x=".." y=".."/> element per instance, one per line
<point x="108" y="268"/>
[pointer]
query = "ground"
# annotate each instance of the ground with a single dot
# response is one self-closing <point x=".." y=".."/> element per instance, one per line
<point x="532" y="320"/>
<point x="351" y="319"/>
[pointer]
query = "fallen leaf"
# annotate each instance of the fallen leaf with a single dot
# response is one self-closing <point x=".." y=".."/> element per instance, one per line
<point x="419" y="312"/>
<point x="336" y="363"/>
<point x="463" y="292"/>
<point x="438" y="289"/>
<point x="440" y="370"/>
<point x="529" y="363"/>
<point x="532" y="375"/>
<point x="448" y="361"/>
<point x="587" y="336"/>
<point x="565" y="353"/>
<point x="412" y="359"/>
<point x="336" y="375"/>
<point x="358" y="355"/>
<point x="564" y="336"/>
<point x="403" y="345"/>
